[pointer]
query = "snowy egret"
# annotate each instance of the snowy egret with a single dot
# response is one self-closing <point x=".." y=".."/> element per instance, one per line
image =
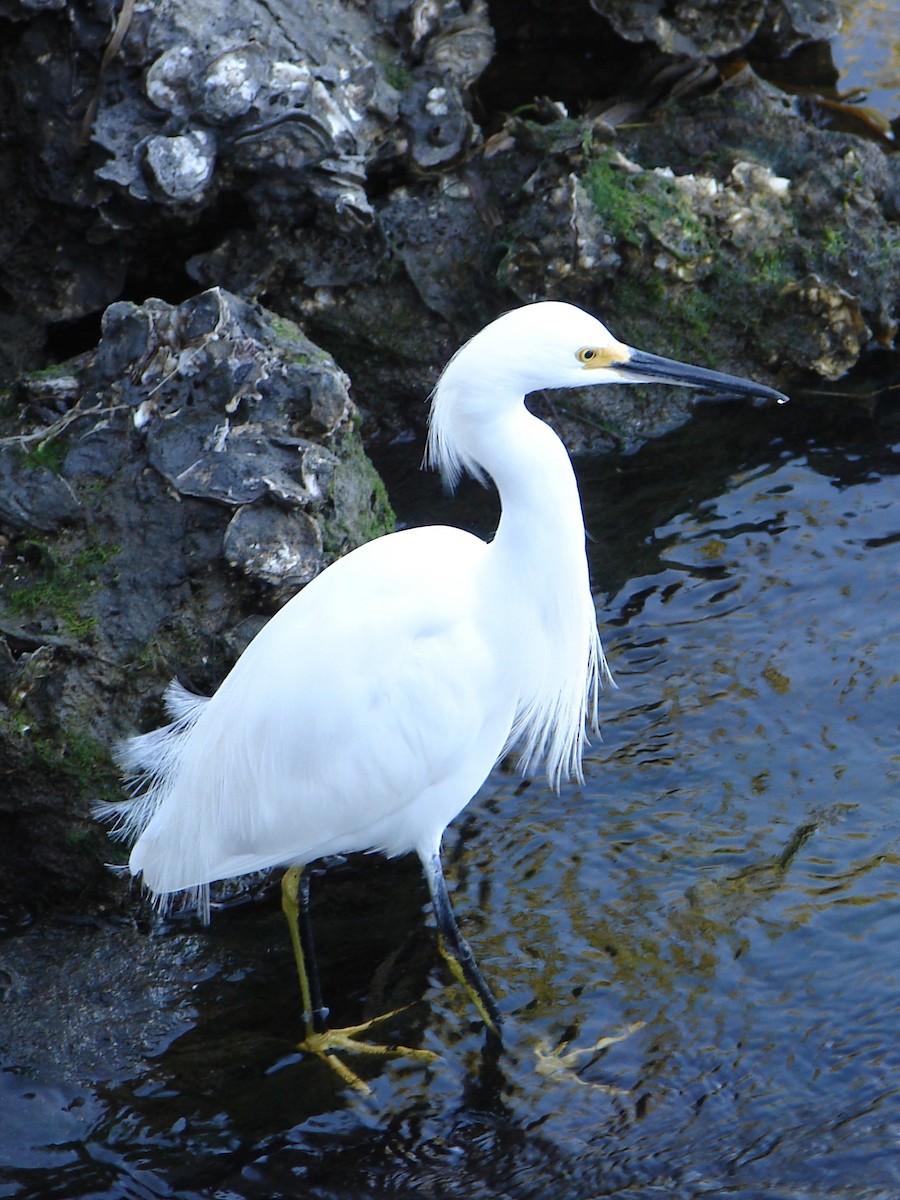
<point x="366" y="714"/>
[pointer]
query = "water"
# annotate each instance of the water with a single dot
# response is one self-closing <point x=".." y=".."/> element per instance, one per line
<point x="715" y="909"/>
<point x="866" y="52"/>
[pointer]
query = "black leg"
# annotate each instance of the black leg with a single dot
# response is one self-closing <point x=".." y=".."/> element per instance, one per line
<point x="456" y="949"/>
<point x="319" y="1009"/>
<point x="295" y="903"/>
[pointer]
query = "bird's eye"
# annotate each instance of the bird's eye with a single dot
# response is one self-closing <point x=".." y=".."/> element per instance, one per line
<point x="586" y="355"/>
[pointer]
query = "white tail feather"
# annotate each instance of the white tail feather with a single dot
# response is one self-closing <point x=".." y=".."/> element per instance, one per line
<point x="149" y="764"/>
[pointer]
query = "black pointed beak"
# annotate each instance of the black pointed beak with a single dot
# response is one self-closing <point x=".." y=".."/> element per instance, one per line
<point x="651" y="368"/>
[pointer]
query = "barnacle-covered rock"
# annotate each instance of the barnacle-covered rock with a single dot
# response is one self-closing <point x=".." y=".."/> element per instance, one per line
<point x="226" y="403"/>
<point x="717" y="29"/>
<point x="230" y="83"/>
<point x="456" y="46"/>
<point x="193" y="415"/>
<point x="832" y="330"/>
<point x="182" y="165"/>
<point x="137" y="125"/>
<point x="307" y="97"/>
<point x="281" y="550"/>
<point x="781" y="250"/>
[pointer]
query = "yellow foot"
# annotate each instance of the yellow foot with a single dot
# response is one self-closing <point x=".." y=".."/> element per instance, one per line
<point x="561" y="1062"/>
<point x="331" y="1043"/>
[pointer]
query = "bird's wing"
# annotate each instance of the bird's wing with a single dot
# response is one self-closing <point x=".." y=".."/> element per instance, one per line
<point x="364" y="713"/>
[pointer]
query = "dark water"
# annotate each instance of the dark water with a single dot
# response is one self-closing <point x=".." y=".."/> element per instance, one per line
<point x="716" y="909"/>
<point x="865" y="52"/>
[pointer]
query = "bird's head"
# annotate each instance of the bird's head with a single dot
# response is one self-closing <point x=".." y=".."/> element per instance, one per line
<point x="548" y="345"/>
<point x="556" y="345"/>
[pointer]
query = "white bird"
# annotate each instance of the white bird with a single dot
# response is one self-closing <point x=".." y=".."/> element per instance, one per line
<point x="370" y="709"/>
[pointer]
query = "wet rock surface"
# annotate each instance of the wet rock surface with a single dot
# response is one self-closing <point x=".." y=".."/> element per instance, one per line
<point x="128" y="143"/>
<point x="386" y="178"/>
<point x="786" y="243"/>
<point x="703" y="28"/>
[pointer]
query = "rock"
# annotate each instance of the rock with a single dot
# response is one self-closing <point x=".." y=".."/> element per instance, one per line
<point x="196" y="470"/>
<point x="334" y="162"/>
<point x="717" y="29"/>
<point x="283" y="551"/>
<point x="835" y="330"/>
<point x="719" y="249"/>
<point x="438" y="123"/>
<point x="182" y="165"/>
<point x="124" y="142"/>
<point x="232" y="82"/>
<point x="32" y="497"/>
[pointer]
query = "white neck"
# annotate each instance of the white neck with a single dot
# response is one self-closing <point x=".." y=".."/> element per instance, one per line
<point x="537" y="576"/>
<point x="541" y="530"/>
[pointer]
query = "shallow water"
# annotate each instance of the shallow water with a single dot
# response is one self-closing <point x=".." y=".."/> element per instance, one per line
<point x="716" y="908"/>
<point x="867" y="53"/>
